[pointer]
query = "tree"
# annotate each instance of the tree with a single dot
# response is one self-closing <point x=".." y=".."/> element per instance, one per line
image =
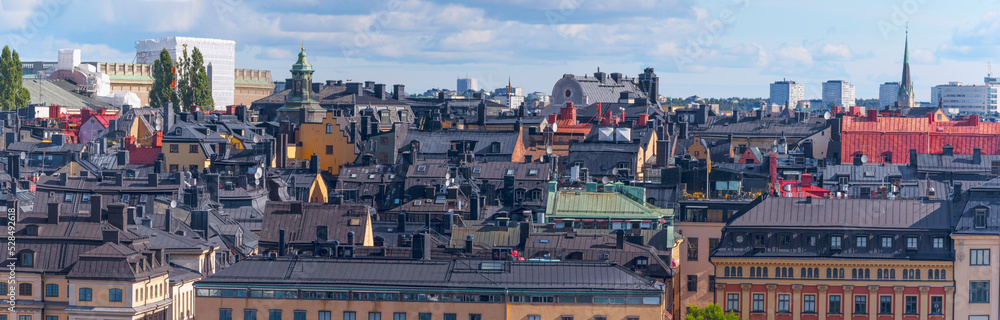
<point x="194" y="86"/>
<point x="710" y="312"/>
<point x="13" y="95"/>
<point x="163" y="81"/>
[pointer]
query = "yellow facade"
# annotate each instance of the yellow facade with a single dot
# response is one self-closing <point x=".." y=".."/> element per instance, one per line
<point x="148" y="296"/>
<point x="318" y="192"/>
<point x="179" y="156"/>
<point x="328" y="140"/>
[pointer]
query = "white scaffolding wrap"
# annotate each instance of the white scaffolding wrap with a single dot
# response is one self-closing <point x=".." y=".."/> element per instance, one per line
<point x="220" y="61"/>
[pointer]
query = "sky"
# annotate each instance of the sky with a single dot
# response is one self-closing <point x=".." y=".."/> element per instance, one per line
<point x="709" y="48"/>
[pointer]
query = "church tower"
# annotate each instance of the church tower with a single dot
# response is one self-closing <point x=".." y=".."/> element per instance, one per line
<point x="905" y="97"/>
<point x="300" y="106"/>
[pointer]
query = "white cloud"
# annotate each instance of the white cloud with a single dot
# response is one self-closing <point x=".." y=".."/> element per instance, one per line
<point x="793" y="55"/>
<point x="836" y="52"/>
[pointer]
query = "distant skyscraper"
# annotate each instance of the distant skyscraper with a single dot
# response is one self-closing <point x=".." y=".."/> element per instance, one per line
<point x="467" y="85"/>
<point x="956" y="97"/>
<point x="838" y="93"/>
<point x="905" y="97"/>
<point x="787" y="93"/>
<point x="887" y="94"/>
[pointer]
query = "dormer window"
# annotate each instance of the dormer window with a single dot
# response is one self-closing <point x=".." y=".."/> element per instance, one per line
<point x="86" y="197"/>
<point x="835" y="242"/>
<point x="495" y="147"/>
<point x="31" y="230"/>
<point x="980" y="218"/>
<point x="177" y="131"/>
<point x="68" y="197"/>
<point x="509" y="172"/>
<point x="477" y="170"/>
<point x="911" y="242"/>
<point x="26" y="258"/>
<point x="371" y="176"/>
<point x="533" y="172"/>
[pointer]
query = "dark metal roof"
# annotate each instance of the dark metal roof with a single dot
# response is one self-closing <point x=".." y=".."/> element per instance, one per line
<point x="776" y="212"/>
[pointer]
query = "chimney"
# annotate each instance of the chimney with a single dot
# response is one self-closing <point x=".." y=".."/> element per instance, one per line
<point x="95" y="208"/>
<point x="872" y="115"/>
<point x="619" y="239"/>
<point x="152" y="180"/>
<point x="130" y="216"/>
<point x="380" y="91"/>
<point x="398" y="92"/>
<point x="63" y="178"/>
<point x="957" y="192"/>
<point x="110" y="236"/>
<point x="913" y="158"/>
<point x="241" y="113"/>
<point x="212" y="184"/>
<point x="350" y="238"/>
<point x="948" y="150"/>
<point x="974" y="120"/>
<point x="53" y="213"/>
<point x="166" y="221"/>
<point x="296" y="208"/>
<point x="119" y="179"/>
<point x="806" y="180"/>
<point x="116" y="215"/>
<point x="683" y="130"/>
<point x="475" y="205"/>
<point x="977" y="155"/>
<point x="930" y="118"/>
<point x="147" y="222"/>
<point x="401" y="222"/>
<point x="281" y="242"/>
<point x="314" y="163"/>
<point x="643" y="120"/>
<point x="809" y="199"/>
<point x="468" y="243"/>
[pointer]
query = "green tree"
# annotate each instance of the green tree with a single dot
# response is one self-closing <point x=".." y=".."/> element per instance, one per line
<point x="13" y="95"/>
<point x="193" y="84"/>
<point x="163" y="81"/>
<point x="710" y="312"/>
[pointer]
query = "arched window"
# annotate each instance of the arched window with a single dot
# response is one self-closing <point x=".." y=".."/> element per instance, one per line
<point x="918" y="274"/>
<point x="816" y="272"/>
<point x="765" y="272"/>
<point x="942" y="274"/>
<point x="879" y="274"/>
<point x="842" y="273"/>
<point x="727" y="271"/>
<point x="739" y="271"/>
<point x="892" y="273"/>
<point x="753" y="272"/>
<point x="802" y="272"/>
<point x="868" y="274"/>
<point x="810" y="272"/>
<point x="854" y="273"/>
<point x="828" y="273"/>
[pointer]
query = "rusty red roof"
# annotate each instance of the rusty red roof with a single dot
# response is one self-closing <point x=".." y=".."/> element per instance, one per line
<point x="895" y="136"/>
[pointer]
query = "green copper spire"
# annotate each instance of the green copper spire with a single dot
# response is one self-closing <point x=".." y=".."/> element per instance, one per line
<point x="302" y="64"/>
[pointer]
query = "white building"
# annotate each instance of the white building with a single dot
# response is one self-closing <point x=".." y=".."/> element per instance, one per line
<point x="541" y="99"/>
<point x="220" y="61"/>
<point x="888" y="93"/>
<point x="470" y="84"/>
<point x="838" y="93"/>
<point x="956" y="97"/>
<point x="787" y="93"/>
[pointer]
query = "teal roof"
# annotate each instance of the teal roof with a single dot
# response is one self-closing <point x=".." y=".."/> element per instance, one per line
<point x="129" y="77"/>
<point x="584" y="204"/>
<point x="302" y="64"/>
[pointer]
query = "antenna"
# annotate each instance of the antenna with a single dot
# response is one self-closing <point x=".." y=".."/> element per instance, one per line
<point x="989" y="68"/>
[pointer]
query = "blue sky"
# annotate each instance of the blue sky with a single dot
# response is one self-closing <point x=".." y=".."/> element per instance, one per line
<point x="698" y="47"/>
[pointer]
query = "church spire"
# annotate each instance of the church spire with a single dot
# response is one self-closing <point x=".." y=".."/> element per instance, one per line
<point x="905" y="97"/>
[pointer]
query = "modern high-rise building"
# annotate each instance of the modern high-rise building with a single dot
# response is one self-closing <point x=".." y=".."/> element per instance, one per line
<point x="468" y="84"/>
<point x="787" y="93"/>
<point x="956" y="97"/>
<point x="888" y="93"/>
<point x="838" y="93"/>
<point x="220" y="61"/>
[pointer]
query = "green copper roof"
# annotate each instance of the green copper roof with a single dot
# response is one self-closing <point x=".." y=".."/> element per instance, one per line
<point x="302" y="64"/>
<point x="570" y="203"/>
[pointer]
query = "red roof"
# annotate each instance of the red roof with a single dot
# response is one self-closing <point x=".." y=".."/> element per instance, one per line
<point x="565" y="127"/>
<point x="143" y="155"/>
<point x="796" y="189"/>
<point x="104" y="119"/>
<point x="895" y="136"/>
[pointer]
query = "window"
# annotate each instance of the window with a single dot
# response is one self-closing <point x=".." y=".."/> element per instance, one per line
<point x="174" y="168"/>
<point x="692" y="283"/>
<point x="911" y="242"/>
<point x="274" y="314"/>
<point x="329" y="128"/>
<point x="711" y="283"/>
<point x="860" y="305"/>
<point x="427" y="316"/>
<point x="329" y="149"/>
<point x="784" y="239"/>
<point x="758" y="302"/>
<point x="450" y="316"/>
<point x="27" y="258"/>
<point x="980" y="219"/>
<point x="936" y="305"/>
<point x="174" y="148"/>
<point x="86" y="294"/>
<point x="350" y="315"/>
<point x="299" y="315"/>
<point x="560" y="318"/>
<point x="51" y="317"/>
<point x="733" y="302"/>
<point x="979" y="257"/>
<point x="23" y="317"/>
<point x="509" y="172"/>
<point x="885" y="305"/>
<point x="115" y="295"/>
<point x="835" y="242"/>
<point x="811" y="240"/>
<point x="225" y="314"/>
<point x="783" y="302"/>
<point x="51" y="290"/>
<point x="938" y="243"/>
<point x="886" y="241"/>
<point x="910" y="307"/>
<point x="835" y="304"/>
<point x="533" y="172"/>
<point x="861" y="241"/>
<point x="809" y="303"/>
<point x="374" y="316"/>
<point x="476" y="316"/>
<point x="692" y="249"/>
<point x="193" y="148"/>
<point x="399" y="316"/>
<point x="979" y="291"/>
<point x="250" y="314"/>
<point x="421" y="168"/>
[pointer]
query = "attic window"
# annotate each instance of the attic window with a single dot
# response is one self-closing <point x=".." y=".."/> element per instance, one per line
<point x="354" y="222"/>
<point x="477" y="169"/>
<point x="416" y="203"/>
<point x="869" y="173"/>
<point x="354" y="175"/>
<point x="421" y="168"/>
<point x="533" y="172"/>
<point x="177" y="131"/>
<point x="371" y="176"/>
<point x="980" y="218"/>
<point x="495" y="147"/>
<point x="31" y="230"/>
<point x="68" y="197"/>
<point x="86" y="197"/>
<point x="509" y="172"/>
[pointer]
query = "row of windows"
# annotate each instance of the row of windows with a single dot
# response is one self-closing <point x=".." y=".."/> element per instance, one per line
<point x="175" y="148"/>
<point x="783" y="305"/>
<point x="835" y="273"/>
<point x="836" y="241"/>
<point x="275" y="314"/>
<point x="433" y="297"/>
<point x="85" y="294"/>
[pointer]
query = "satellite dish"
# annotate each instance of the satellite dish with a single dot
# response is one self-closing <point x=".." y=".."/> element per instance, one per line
<point x="24" y="155"/>
<point x="548" y="150"/>
<point x="173" y="203"/>
<point x="555" y="127"/>
<point x="158" y="124"/>
<point x="605" y="180"/>
<point x="256" y="139"/>
<point x="259" y="173"/>
<point x="827" y="115"/>
<point x="864" y="158"/>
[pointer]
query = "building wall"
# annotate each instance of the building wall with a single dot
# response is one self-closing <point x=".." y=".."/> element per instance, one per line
<point x="964" y="272"/>
<point x="838" y="93"/>
<point x="966" y="99"/>
<point x="69" y="296"/>
<point x="182" y="307"/>
<point x="183" y="158"/>
<point x="701" y="268"/>
<point x="787" y="93"/>
<point x="888" y="93"/>
<point x="314" y="138"/>
<point x="252" y="85"/>
<point x="318" y="192"/>
<point x="219" y="55"/>
<point x="90" y="130"/>
<point x="823" y="287"/>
